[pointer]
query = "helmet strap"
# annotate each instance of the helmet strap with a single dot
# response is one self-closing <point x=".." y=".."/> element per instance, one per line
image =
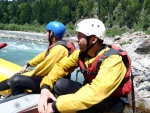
<point x="88" y="44"/>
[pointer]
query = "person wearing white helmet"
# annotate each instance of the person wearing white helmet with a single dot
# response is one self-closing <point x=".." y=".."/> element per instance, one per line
<point x="43" y="62"/>
<point x="106" y="74"/>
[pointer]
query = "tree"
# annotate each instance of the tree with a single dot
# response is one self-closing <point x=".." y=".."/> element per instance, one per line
<point x="4" y="12"/>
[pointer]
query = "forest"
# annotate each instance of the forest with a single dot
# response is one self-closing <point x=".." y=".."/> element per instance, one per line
<point x="123" y="14"/>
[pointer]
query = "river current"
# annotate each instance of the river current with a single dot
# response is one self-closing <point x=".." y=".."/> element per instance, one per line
<point x="21" y="51"/>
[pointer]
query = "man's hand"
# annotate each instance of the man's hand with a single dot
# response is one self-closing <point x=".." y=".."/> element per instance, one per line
<point x="49" y="108"/>
<point x="44" y="96"/>
<point x="23" y="69"/>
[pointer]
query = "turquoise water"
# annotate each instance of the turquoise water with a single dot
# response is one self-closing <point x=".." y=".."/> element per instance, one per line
<point x="20" y="52"/>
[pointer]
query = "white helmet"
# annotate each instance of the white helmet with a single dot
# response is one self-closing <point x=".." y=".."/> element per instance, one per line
<point x="91" y="27"/>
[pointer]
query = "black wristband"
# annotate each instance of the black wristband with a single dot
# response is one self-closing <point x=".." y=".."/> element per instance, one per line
<point x="54" y="107"/>
<point x="45" y="86"/>
<point x="28" y="64"/>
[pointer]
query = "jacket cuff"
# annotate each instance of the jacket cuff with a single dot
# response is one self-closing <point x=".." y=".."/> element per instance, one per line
<point x="28" y="64"/>
<point x="45" y="86"/>
<point x="54" y="107"/>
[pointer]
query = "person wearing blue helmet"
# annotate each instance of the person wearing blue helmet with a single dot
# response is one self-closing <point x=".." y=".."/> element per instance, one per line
<point x="43" y="62"/>
<point x="55" y="29"/>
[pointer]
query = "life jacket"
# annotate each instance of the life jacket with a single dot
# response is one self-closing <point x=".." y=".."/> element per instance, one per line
<point x="91" y="72"/>
<point x="68" y="44"/>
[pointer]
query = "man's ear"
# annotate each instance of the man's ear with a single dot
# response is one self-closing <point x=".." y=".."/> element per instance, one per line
<point x="94" y="39"/>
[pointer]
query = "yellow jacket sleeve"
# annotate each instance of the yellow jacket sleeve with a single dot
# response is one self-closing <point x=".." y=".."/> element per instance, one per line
<point x="110" y="75"/>
<point x="55" y="55"/>
<point x="62" y="68"/>
<point x="37" y="59"/>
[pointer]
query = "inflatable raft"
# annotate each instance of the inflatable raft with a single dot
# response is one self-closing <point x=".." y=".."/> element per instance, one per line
<point x="23" y="103"/>
<point x="7" y="69"/>
<point x="3" y="45"/>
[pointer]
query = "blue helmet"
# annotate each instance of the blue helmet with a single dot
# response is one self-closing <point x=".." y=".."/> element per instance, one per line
<point x="57" y="28"/>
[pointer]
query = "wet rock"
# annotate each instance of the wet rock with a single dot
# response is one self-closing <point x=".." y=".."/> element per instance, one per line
<point x="144" y="47"/>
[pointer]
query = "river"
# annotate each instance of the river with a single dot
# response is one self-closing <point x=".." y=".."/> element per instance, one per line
<point x="21" y="51"/>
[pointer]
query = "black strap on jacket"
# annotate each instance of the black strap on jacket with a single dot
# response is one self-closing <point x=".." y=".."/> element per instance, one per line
<point x="108" y="53"/>
<point x="133" y="96"/>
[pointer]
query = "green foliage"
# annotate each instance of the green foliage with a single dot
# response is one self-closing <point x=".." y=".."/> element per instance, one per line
<point x="70" y="29"/>
<point x="121" y="13"/>
<point x="25" y="27"/>
<point x="35" y="23"/>
<point x="116" y="31"/>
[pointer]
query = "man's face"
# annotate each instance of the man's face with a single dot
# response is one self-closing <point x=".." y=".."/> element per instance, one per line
<point x="81" y="39"/>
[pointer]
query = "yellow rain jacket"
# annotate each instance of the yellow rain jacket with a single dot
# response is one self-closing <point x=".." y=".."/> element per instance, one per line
<point x="44" y="66"/>
<point x="110" y="75"/>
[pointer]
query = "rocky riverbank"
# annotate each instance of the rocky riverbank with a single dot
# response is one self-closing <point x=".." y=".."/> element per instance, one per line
<point x="137" y="45"/>
<point x="30" y="36"/>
